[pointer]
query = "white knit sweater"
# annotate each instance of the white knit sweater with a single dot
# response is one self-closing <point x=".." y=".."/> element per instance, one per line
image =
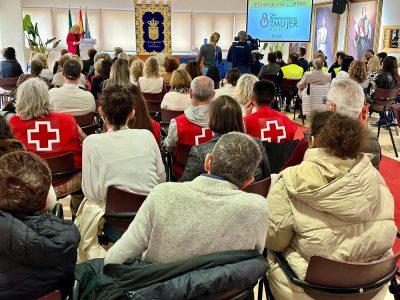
<point x="183" y="220"/>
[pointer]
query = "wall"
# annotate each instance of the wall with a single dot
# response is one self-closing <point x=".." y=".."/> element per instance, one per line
<point x="11" y="32"/>
<point x="390" y="16"/>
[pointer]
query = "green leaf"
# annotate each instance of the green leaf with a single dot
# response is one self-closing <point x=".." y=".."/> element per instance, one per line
<point x="36" y="29"/>
<point x="56" y="44"/>
<point x="27" y="22"/>
<point x="50" y="41"/>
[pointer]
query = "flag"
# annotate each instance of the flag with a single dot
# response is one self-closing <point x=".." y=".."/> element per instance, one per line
<point x="80" y="21"/>
<point x="87" y="30"/>
<point x="70" y="19"/>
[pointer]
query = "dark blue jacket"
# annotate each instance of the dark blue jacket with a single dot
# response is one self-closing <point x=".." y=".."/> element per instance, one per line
<point x="10" y="69"/>
<point x="240" y="55"/>
<point x="303" y="63"/>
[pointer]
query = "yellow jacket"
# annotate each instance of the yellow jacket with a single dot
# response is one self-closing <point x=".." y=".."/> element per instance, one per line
<point x="329" y="207"/>
<point x="292" y="71"/>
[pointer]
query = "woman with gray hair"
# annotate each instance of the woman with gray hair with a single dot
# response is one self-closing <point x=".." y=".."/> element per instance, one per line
<point x="244" y="89"/>
<point x="44" y="132"/>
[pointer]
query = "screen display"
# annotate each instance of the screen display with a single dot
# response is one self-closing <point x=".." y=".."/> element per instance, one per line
<point x="279" y="20"/>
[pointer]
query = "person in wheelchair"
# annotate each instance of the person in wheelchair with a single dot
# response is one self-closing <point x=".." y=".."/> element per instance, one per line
<point x="334" y="204"/>
<point x="37" y="250"/>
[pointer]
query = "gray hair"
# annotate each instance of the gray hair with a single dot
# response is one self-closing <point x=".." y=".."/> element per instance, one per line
<point x="235" y="158"/>
<point x="33" y="99"/>
<point x="202" y="88"/>
<point x="348" y="97"/>
<point x="244" y="88"/>
<point x="242" y="35"/>
<point x="318" y="64"/>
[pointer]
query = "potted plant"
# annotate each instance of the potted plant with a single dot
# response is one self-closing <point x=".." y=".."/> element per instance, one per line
<point x="35" y="42"/>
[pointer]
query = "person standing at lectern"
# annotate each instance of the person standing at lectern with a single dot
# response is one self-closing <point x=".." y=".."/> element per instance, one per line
<point x="240" y="54"/>
<point x="74" y="40"/>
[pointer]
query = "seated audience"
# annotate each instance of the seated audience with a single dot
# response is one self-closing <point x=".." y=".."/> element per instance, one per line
<point x="373" y="68"/>
<point x="194" y="69"/>
<point x="367" y="56"/>
<point x="117" y="51"/>
<point x="178" y="98"/>
<point x="388" y="78"/>
<point x="136" y="71"/>
<point x="126" y="158"/>
<point x="46" y="72"/>
<point x="345" y="97"/>
<point x="358" y="72"/>
<point x="244" y="90"/>
<point x="279" y="58"/>
<point x="56" y="67"/>
<point x="9" y="67"/>
<point x="131" y="59"/>
<point x="225" y="116"/>
<point x="344" y="67"/>
<point x="44" y="132"/>
<point x="302" y="62"/>
<point x="191" y="128"/>
<point x="256" y="64"/>
<point x="197" y="207"/>
<point x="36" y="69"/>
<point x="336" y="67"/>
<point x="315" y="76"/>
<point x="161" y="61"/>
<point x="59" y="80"/>
<point x="266" y="123"/>
<point x="290" y="71"/>
<point x="142" y="119"/>
<point x="272" y="68"/>
<point x="229" y="84"/>
<point x="170" y="65"/>
<point x="213" y="73"/>
<point x="103" y="75"/>
<point x="123" y="55"/>
<point x="306" y="218"/>
<point x="119" y="74"/>
<point x="151" y="82"/>
<point x="92" y="71"/>
<point x="70" y="98"/>
<point x="38" y="252"/>
<point x="89" y="62"/>
<point x="321" y="55"/>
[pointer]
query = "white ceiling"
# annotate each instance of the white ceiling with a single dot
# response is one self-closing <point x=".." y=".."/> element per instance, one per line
<point x="228" y="6"/>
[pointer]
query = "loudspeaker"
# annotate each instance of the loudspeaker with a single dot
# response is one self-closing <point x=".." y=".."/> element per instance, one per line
<point x="339" y="6"/>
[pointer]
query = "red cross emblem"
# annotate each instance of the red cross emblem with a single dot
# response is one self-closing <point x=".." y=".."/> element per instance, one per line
<point x="206" y="135"/>
<point x="43" y="136"/>
<point x="273" y="133"/>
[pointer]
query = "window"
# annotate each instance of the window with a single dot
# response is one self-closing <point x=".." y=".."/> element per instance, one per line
<point x="118" y="30"/>
<point x="181" y="32"/>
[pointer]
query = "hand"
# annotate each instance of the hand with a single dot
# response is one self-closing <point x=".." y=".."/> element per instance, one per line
<point x="248" y="108"/>
<point x="77" y="43"/>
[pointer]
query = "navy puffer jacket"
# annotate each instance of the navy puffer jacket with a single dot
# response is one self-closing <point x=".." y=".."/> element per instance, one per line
<point x="37" y="255"/>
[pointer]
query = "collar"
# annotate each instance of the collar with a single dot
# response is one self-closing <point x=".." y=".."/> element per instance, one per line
<point x="71" y="86"/>
<point x="213" y="176"/>
<point x="113" y="130"/>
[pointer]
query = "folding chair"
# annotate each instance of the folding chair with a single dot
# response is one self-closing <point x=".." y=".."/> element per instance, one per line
<point x="121" y="207"/>
<point x="270" y="77"/>
<point x="259" y="187"/>
<point x="289" y="89"/>
<point x="62" y="168"/>
<point x="168" y="115"/>
<point x="382" y="101"/>
<point x="58" y="211"/>
<point x="328" y="278"/>
<point x="7" y="85"/>
<point x="55" y="295"/>
<point x="154" y="103"/>
<point x="279" y="153"/>
<point x="85" y="120"/>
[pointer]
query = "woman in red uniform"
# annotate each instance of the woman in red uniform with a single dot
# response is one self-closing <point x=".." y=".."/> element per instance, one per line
<point x="74" y="40"/>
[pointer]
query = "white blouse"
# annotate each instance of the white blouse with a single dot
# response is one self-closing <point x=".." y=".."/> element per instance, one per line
<point x="128" y="159"/>
<point x="176" y="101"/>
<point x="152" y="85"/>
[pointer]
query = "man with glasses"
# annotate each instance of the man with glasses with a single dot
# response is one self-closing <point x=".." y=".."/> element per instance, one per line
<point x="345" y="97"/>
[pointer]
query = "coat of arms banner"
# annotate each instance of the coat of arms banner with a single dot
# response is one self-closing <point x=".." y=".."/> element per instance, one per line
<point x="153" y="26"/>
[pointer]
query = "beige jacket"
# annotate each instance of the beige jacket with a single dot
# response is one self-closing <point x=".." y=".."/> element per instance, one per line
<point x="329" y="207"/>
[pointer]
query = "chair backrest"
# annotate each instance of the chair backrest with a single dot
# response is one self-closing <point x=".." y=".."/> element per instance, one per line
<point x="120" y="202"/>
<point x="91" y="129"/>
<point x="8" y="83"/>
<point x="334" y="273"/>
<point x="184" y="151"/>
<point x="396" y="110"/>
<point x="62" y="167"/>
<point x="168" y="115"/>
<point x="154" y="101"/>
<point x="270" y="77"/>
<point x="55" y="295"/>
<point x="314" y="101"/>
<point x="259" y="187"/>
<point x="290" y="85"/>
<point x="385" y="96"/>
<point x="85" y="120"/>
<point x="279" y="154"/>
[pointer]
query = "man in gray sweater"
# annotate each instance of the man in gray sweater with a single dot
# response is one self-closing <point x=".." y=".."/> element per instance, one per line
<point x="210" y="214"/>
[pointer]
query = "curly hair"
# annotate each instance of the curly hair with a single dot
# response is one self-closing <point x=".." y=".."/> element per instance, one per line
<point x="151" y="68"/>
<point x="5" y="131"/>
<point x="170" y="64"/>
<point x="136" y="69"/>
<point x="339" y="135"/>
<point x="358" y="71"/>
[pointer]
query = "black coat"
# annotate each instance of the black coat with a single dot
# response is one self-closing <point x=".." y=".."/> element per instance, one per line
<point x="37" y="255"/>
<point x="385" y="80"/>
